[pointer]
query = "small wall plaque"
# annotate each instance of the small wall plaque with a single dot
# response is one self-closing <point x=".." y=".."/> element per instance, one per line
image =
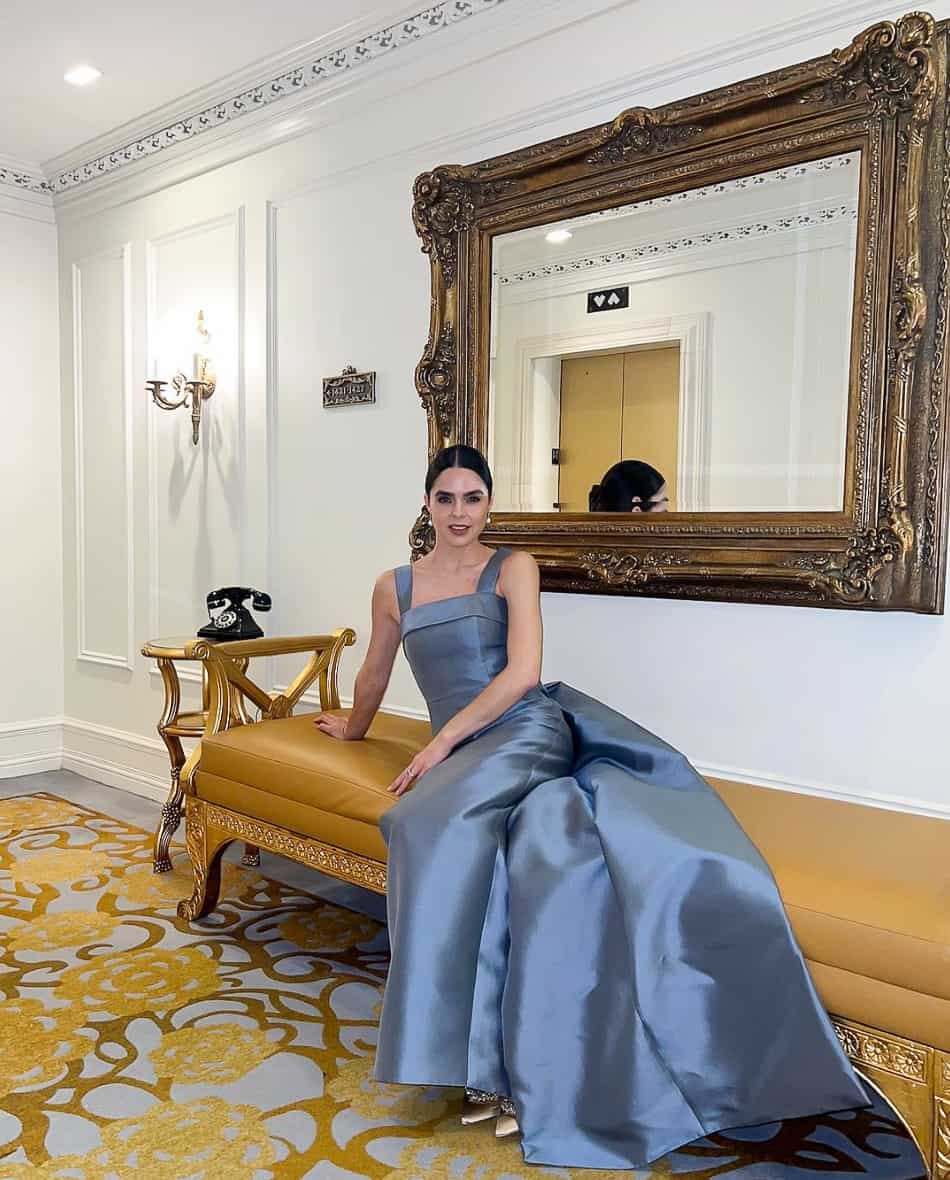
<point x="610" y="300"/>
<point x="350" y="388"/>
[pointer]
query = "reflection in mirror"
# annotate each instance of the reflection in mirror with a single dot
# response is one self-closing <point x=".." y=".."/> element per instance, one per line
<point x="705" y="335"/>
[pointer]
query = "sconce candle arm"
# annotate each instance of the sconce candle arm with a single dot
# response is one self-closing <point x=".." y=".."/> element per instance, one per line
<point x="155" y="387"/>
<point x="193" y="391"/>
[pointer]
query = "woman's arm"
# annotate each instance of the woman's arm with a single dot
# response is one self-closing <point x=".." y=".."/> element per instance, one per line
<point x="373" y="677"/>
<point x="519" y="582"/>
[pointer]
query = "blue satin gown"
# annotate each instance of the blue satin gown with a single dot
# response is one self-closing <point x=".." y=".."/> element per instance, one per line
<point x="577" y="920"/>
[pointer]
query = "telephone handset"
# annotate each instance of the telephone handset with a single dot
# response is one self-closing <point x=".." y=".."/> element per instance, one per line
<point x="234" y="620"/>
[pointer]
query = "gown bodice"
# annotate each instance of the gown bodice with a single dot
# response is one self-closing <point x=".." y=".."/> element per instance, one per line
<point x="455" y="646"/>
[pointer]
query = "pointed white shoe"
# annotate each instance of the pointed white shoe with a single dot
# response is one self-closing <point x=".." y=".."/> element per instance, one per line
<point x="479" y="1105"/>
<point x="506" y="1123"/>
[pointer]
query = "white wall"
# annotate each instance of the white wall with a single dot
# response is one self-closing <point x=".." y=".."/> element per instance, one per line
<point x="312" y="242"/>
<point x="31" y="595"/>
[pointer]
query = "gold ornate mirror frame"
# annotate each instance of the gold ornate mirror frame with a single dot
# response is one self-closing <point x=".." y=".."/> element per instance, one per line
<point x="884" y="96"/>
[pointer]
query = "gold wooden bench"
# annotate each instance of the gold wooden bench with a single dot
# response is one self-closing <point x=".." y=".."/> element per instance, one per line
<point x="867" y="890"/>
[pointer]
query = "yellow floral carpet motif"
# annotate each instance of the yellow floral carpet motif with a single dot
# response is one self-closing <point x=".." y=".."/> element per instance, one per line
<point x="133" y="1044"/>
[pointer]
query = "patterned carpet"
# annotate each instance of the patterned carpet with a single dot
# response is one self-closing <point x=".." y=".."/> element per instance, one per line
<point x="134" y="1045"/>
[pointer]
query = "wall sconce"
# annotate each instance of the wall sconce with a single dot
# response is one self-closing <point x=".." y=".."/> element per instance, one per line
<point x="194" y="390"/>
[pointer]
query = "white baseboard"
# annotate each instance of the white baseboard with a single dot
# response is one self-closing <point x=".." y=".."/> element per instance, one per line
<point x="139" y="764"/>
<point x="115" y="774"/>
<point x="30" y="747"/>
<point x="826" y="791"/>
<point x="116" y="758"/>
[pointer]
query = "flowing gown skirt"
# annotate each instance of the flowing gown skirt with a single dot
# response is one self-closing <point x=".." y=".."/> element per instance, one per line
<point x="578" y="921"/>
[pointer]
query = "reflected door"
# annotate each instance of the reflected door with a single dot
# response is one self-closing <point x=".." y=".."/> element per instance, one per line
<point x="591" y="425"/>
<point x="622" y="405"/>
<point x="651" y="411"/>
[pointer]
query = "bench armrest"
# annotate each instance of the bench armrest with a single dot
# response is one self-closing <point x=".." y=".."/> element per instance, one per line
<point x="229" y="686"/>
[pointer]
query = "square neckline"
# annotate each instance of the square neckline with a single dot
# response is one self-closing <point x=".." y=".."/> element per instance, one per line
<point x="454" y="597"/>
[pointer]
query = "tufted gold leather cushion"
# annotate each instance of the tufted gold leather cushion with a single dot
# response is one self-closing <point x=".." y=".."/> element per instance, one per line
<point x="867" y="890"/>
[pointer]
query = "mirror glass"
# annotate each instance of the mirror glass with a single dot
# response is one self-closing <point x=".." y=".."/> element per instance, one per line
<point x="701" y="340"/>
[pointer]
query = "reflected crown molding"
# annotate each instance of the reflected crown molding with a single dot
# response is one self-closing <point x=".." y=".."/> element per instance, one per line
<point x="726" y="235"/>
<point x="760" y="180"/>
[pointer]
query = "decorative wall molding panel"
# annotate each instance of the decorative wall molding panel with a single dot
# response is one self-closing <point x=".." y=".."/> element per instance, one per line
<point x="207" y="274"/>
<point x="271" y="410"/>
<point x="111" y="555"/>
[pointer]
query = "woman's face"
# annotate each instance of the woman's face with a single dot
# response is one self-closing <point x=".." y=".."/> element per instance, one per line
<point x="658" y="502"/>
<point x="458" y="504"/>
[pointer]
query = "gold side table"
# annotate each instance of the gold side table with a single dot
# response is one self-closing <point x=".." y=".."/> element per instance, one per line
<point x="174" y="725"/>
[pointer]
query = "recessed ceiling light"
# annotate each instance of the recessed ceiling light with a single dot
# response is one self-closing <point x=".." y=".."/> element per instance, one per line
<point x="557" y="236"/>
<point x="82" y="75"/>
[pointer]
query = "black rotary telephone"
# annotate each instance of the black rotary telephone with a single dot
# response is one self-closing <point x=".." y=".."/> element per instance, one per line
<point x="234" y="620"/>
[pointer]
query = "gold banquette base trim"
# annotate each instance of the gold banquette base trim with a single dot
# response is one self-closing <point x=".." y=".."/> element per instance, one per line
<point x="914" y="1078"/>
<point x="209" y="828"/>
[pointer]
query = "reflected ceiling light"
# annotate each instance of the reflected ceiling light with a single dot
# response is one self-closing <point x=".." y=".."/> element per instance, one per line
<point x="82" y="75"/>
<point x="557" y="236"/>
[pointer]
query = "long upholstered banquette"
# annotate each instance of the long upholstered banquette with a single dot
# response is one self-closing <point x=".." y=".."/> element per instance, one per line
<point x="867" y="890"/>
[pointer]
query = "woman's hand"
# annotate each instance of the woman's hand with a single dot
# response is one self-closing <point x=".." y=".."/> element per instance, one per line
<point x="332" y="725"/>
<point x="435" y="752"/>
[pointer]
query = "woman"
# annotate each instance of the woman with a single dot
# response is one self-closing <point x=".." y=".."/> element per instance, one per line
<point x="630" y="486"/>
<point x="581" y="934"/>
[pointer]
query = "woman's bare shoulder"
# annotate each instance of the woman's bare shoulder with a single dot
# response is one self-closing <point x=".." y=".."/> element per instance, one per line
<point x="384" y="590"/>
<point x="387" y="578"/>
<point x="518" y="568"/>
<point x="519" y="559"/>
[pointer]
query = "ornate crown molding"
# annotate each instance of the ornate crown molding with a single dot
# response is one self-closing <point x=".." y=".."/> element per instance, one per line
<point x="325" y="68"/>
<point x="24" y="181"/>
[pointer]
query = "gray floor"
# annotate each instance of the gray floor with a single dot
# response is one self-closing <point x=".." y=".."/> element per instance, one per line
<point x="143" y="813"/>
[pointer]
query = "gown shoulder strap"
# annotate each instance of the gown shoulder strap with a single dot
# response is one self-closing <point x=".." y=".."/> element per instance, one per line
<point x="486" y="583"/>
<point x="403" y="587"/>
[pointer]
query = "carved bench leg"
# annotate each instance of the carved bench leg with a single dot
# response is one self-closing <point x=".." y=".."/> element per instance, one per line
<point x="205" y="847"/>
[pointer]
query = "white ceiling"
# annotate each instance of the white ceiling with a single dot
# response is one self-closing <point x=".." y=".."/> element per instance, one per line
<point x="149" y="53"/>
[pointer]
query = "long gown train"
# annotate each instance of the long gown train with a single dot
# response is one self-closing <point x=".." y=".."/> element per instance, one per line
<point x="577" y="920"/>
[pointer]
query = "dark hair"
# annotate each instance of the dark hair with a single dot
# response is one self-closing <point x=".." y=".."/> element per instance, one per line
<point x="459" y="456"/>
<point x="621" y="483"/>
